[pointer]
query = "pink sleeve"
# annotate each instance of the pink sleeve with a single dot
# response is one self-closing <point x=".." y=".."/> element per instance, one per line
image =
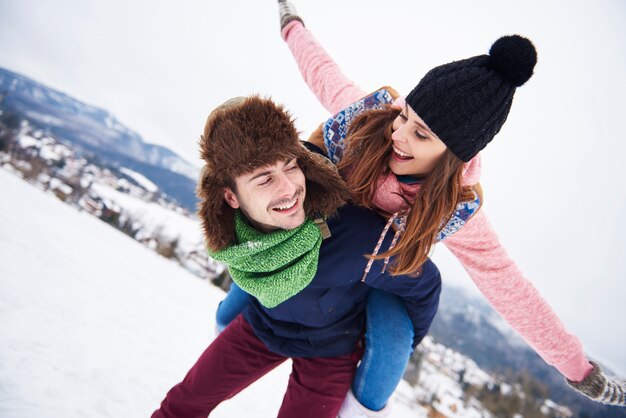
<point x="323" y="76"/>
<point x="478" y="248"/>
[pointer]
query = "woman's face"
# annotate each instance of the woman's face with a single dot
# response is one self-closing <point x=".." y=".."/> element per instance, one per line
<point x="416" y="149"/>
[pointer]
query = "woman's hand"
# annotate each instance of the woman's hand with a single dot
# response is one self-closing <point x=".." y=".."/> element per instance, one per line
<point x="602" y="388"/>
<point x="287" y="13"/>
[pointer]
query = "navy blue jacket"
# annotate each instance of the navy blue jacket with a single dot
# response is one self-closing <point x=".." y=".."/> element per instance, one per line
<point x="327" y="318"/>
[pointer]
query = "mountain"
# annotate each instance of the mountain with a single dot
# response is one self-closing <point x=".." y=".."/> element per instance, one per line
<point x="469" y="325"/>
<point x="98" y="133"/>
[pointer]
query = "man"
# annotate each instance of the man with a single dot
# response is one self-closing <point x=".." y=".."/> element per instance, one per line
<point x="264" y="199"/>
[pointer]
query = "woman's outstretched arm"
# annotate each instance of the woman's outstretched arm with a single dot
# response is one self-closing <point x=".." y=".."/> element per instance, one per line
<point x="478" y="248"/>
<point x="323" y="76"/>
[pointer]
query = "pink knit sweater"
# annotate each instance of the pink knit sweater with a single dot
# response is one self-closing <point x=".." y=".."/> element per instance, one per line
<point x="476" y="245"/>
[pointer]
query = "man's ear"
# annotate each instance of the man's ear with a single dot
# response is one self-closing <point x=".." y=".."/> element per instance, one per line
<point x="231" y="198"/>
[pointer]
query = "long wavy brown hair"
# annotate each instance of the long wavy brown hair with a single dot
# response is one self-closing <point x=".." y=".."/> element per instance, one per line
<point x="366" y="160"/>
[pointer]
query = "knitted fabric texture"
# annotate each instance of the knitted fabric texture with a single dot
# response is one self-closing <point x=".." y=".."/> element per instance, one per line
<point x="466" y="102"/>
<point x="272" y="267"/>
<point x="597" y="386"/>
<point x="287" y="13"/>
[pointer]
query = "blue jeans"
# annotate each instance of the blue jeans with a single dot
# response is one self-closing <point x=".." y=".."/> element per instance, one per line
<point x="231" y="306"/>
<point x="388" y="343"/>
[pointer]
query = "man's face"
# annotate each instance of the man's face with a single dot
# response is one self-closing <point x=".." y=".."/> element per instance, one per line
<point x="271" y="197"/>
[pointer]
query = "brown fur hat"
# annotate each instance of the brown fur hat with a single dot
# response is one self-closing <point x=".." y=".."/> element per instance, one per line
<point x="242" y="135"/>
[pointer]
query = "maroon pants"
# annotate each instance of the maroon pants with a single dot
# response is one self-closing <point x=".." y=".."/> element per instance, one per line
<point x="237" y="358"/>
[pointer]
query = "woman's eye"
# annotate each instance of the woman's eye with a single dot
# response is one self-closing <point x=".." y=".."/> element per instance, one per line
<point x="420" y="136"/>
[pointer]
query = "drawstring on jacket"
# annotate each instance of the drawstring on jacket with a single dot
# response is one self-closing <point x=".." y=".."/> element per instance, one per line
<point x="393" y="217"/>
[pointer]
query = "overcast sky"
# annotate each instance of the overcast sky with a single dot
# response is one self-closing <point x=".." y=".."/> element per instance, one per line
<point x="552" y="177"/>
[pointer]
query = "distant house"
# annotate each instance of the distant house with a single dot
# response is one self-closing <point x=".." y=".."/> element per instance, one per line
<point x="61" y="190"/>
<point x="91" y="204"/>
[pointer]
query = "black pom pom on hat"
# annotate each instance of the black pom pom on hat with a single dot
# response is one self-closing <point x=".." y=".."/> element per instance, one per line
<point x="514" y="57"/>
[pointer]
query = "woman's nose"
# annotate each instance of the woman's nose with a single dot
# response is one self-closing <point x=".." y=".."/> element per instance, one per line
<point x="398" y="135"/>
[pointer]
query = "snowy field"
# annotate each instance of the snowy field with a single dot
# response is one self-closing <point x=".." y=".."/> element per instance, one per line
<point x="93" y="324"/>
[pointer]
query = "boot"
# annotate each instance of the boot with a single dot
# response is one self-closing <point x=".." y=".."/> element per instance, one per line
<point x="352" y="408"/>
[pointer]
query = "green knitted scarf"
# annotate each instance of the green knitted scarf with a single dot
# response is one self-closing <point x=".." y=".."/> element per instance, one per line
<point x="272" y="267"/>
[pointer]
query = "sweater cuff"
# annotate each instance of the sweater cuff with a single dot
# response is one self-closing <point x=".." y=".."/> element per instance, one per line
<point x="285" y="32"/>
<point x="576" y="368"/>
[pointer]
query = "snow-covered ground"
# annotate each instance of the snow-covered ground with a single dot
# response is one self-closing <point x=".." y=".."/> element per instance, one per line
<point x="141" y="179"/>
<point x="153" y="217"/>
<point x="93" y="324"/>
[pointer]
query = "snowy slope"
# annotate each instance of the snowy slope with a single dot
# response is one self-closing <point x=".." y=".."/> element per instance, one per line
<point x="153" y="217"/>
<point x="93" y="324"/>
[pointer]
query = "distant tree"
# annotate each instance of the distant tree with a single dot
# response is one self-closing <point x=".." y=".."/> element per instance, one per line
<point x="469" y="392"/>
<point x="37" y="166"/>
<point x="167" y="248"/>
<point x="10" y="120"/>
<point x="77" y="190"/>
<point x="504" y="406"/>
<point x="223" y="280"/>
<point x="5" y="140"/>
<point x="412" y="372"/>
<point x="526" y="398"/>
<point x="532" y="386"/>
<point x="8" y="131"/>
<point x="126" y="224"/>
<point x="462" y="376"/>
<point x="110" y="216"/>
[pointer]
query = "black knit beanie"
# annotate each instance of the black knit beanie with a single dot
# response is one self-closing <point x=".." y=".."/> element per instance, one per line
<point x="465" y="103"/>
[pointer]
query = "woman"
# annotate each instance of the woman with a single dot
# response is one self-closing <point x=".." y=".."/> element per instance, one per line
<point x="417" y="162"/>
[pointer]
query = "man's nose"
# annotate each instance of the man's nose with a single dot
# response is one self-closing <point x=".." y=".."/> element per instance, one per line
<point x="286" y="186"/>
